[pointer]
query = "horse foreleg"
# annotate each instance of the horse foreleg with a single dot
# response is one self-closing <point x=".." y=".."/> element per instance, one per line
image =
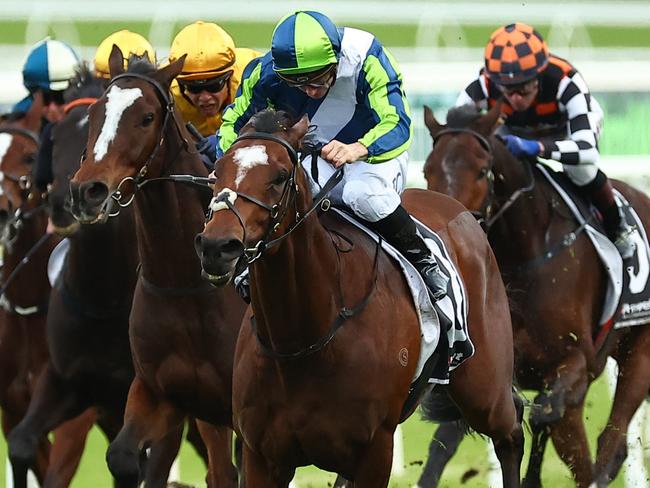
<point x="374" y="469"/>
<point x="631" y="389"/>
<point x="443" y="446"/>
<point x="67" y="449"/>
<point x="258" y="474"/>
<point x="52" y="403"/>
<point x="147" y="419"/>
<point x="218" y="440"/>
<point x="570" y="441"/>
<point x="540" y="435"/>
<point x="161" y="458"/>
<point x="194" y="438"/>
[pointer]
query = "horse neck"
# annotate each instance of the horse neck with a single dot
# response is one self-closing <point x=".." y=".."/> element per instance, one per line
<point x="168" y="217"/>
<point x="30" y="285"/>
<point x="520" y="233"/>
<point x="294" y="288"/>
<point x="102" y="260"/>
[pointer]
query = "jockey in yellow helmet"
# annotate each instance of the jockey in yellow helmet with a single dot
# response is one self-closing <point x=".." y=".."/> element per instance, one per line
<point x="129" y="43"/>
<point x="210" y="76"/>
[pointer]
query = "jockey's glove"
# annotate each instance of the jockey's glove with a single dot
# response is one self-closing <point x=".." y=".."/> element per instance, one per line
<point x="522" y="147"/>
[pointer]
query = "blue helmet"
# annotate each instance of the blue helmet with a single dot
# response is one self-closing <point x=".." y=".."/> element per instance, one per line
<point x="49" y="66"/>
<point x="304" y="42"/>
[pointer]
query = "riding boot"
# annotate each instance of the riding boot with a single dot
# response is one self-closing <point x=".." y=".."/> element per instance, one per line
<point x="399" y="231"/>
<point x="614" y="220"/>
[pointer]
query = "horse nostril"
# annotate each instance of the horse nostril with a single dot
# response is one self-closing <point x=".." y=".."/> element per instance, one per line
<point x="94" y="192"/>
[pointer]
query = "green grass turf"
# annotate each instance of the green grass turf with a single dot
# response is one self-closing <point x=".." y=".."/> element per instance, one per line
<point x="258" y="34"/>
<point x="470" y="463"/>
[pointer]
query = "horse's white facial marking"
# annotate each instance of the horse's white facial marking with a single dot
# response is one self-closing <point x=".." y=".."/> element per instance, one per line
<point x="82" y="122"/>
<point x="5" y="144"/>
<point x="217" y="202"/>
<point x="247" y="158"/>
<point x="119" y="99"/>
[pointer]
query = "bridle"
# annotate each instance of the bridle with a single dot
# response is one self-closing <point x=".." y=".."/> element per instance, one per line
<point x="24" y="181"/>
<point x="485" y="215"/>
<point x="277" y="211"/>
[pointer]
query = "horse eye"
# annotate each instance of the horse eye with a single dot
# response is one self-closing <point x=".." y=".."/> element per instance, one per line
<point x="281" y="178"/>
<point x="29" y="159"/>
<point x="148" y="119"/>
<point x="482" y="173"/>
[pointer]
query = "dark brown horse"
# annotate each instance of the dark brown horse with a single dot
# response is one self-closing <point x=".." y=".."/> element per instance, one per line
<point x="25" y="291"/>
<point x="306" y="391"/>
<point x="556" y="301"/>
<point x="182" y="330"/>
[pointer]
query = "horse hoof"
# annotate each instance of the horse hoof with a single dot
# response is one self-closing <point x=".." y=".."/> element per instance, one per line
<point x="546" y="410"/>
<point x="123" y="465"/>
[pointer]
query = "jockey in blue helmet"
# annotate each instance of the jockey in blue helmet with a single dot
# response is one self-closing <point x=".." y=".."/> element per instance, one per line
<point x="48" y="69"/>
<point x="351" y="89"/>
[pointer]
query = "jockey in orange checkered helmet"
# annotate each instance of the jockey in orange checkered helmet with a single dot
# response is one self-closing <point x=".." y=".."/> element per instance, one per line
<point x="548" y="112"/>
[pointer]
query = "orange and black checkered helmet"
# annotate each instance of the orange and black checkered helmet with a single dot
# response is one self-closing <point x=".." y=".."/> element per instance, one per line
<point x="515" y="54"/>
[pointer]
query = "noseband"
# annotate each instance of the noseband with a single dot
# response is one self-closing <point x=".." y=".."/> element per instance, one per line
<point x="277" y="211"/>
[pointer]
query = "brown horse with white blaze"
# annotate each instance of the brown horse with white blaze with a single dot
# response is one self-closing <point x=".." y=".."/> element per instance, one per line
<point x="182" y="330"/>
<point x="324" y="362"/>
<point x="556" y="285"/>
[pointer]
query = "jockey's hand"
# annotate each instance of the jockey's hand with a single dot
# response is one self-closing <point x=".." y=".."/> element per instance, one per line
<point x="339" y="154"/>
<point x="522" y="147"/>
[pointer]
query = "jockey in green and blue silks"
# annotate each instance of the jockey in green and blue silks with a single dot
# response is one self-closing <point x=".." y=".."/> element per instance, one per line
<point x="351" y="89"/>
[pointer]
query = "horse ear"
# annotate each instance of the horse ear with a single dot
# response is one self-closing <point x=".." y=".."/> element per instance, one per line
<point x="298" y="130"/>
<point x="488" y="123"/>
<point x="116" y="61"/>
<point x="430" y="121"/>
<point x="34" y="114"/>
<point x="172" y="70"/>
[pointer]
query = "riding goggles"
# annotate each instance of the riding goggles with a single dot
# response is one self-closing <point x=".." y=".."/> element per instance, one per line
<point x="320" y="79"/>
<point x="52" y="96"/>
<point x="523" y="89"/>
<point x="211" y="85"/>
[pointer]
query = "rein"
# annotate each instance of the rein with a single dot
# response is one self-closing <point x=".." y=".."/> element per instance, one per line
<point x="227" y="197"/>
<point x="23" y="262"/>
<point x="277" y="212"/>
<point x="487" y="219"/>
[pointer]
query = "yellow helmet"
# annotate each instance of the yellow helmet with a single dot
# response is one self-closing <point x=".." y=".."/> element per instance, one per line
<point x="210" y="51"/>
<point x="129" y="42"/>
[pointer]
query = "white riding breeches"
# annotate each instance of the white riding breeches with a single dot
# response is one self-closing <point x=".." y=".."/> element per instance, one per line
<point x="371" y="191"/>
<point x="581" y="174"/>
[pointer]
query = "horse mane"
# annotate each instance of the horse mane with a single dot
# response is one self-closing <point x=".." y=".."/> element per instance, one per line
<point x="84" y="84"/>
<point x="463" y="116"/>
<point x="271" y="120"/>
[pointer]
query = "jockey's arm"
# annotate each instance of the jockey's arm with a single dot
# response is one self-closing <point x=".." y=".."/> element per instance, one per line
<point x="474" y="94"/>
<point x="380" y="88"/>
<point x="248" y="101"/>
<point x="584" y="119"/>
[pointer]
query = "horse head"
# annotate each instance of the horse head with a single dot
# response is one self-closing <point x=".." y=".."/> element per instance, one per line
<point x="68" y="140"/>
<point x="260" y="191"/>
<point x="19" y="143"/>
<point x="461" y="162"/>
<point x="127" y="129"/>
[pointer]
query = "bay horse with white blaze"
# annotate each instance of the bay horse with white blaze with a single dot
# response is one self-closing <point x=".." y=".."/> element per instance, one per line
<point x="556" y="286"/>
<point x="306" y="391"/>
<point x="182" y="330"/>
